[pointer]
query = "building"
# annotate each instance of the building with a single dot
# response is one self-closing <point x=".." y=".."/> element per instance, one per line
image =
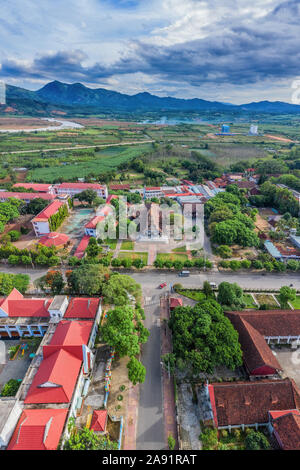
<point x="150" y="192"/>
<point x="249" y="404"/>
<point x="75" y="188"/>
<point x="253" y="130"/>
<point x="26" y="197"/>
<point x="38" y="187"/>
<point x="90" y="229"/>
<point x="99" y="421"/>
<point x="175" y="302"/>
<point x="257" y="330"/>
<point x="54" y="239"/>
<point x="83" y="244"/>
<point x="119" y="187"/>
<point x="285" y="427"/>
<point x="38" y="429"/>
<point x="41" y="221"/>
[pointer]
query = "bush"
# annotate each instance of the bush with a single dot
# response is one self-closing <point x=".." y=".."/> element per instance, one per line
<point x="235" y="265"/>
<point x="24" y="230"/>
<point x="171" y="442"/>
<point x="10" y="388"/>
<point x="225" y="251"/>
<point x="14" y="235"/>
<point x="257" y="264"/>
<point x="256" y="440"/>
<point x="246" y="264"/>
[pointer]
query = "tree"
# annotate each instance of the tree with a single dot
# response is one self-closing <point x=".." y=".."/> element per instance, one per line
<point x="225" y="251"/>
<point x="14" y="235"/>
<point x="88" y="279"/>
<point x="230" y="294"/>
<point x="10" y="388"/>
<point x="171" y="442"/>
<point x="256" y="441"/>
<point x="207" y="289"/>
<point x="88" y="195"/>
<point x="87" y="439"/>
<point x="136" y="371"/>
<point x="286" y="294"/>
<point x="35" y="206"/>
<point x="120" y="331"/>
<point x="116" y="290"/>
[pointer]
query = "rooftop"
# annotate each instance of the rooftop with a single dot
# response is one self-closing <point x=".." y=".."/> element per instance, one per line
<point x="54" y="239"/>
<point x="46" y="213"/>
<point x="82" y="308"/>
<point x="15" y="305"/>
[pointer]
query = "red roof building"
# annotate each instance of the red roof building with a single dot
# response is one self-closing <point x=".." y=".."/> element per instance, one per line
<point x="174" y="302"/>
<point x="57" y="374"/>
<point x="38" y="429"/>
<point x="54" y="239"/>
<point x="39" y="187"/>
<point x="26" y="197"/>
<point x="119" y="187"/>
<point x="41" y="221"/>
<point x="75" y="188"/>
<point x="82" y="308"/>
<point x="286" y="429"/>
<point x="248" y="403"/>
<point x="80" y="250"/>
<point x="99" y="420"/>
<point x="15" y="305"/>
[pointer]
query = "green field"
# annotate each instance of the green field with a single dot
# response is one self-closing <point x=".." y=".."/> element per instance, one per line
<point x="171" y="257"/>
<point x="127" y="245"/>
<point x="134" y="255"/>
<point x="296" y="303"/>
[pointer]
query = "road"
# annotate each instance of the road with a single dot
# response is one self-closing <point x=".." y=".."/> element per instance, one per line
<point x="150" y="428"/>
<point x="78" y="147"/>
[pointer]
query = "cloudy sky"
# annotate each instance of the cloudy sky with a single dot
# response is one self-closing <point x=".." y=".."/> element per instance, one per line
<point x="237" y="51"/>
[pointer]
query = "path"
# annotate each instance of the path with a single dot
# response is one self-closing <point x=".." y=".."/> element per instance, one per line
<point x="77" y="147"/>
<point x="131" y="419"/>
<point x="118" y="248"/>
<point x="151" y="255"/>
<point x="169" y="404"/>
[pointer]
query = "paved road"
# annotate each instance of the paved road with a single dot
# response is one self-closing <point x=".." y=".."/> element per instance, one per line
<point x="151" y="280"/>
<point x="150" y="429"/>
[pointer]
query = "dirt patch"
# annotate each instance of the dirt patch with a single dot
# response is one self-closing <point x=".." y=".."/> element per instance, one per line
<point x="118" y="407"/>
<point x="24" y="123"/>
<point x="281" y="139"/>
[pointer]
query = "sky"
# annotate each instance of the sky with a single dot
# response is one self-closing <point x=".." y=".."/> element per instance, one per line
<point x="228" y="51"/>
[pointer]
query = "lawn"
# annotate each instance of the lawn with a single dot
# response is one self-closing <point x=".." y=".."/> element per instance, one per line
<point x="191" y="294"/>
<point x="111" y="243"/>
<point x="134" y="255"/>
<point x="248" y="299"/>
<point x="171" y="257"/>
<point x="127" y="245"/>
<point x="296" y="303"/>
<point x="266" y="299"/>
<point x="179" y="249"/>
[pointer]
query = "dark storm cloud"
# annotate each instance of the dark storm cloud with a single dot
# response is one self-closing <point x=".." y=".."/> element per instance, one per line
<point x="243" y="52"/>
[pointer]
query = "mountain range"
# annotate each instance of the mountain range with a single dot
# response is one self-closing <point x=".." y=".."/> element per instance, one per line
<point x="76" y="98"/>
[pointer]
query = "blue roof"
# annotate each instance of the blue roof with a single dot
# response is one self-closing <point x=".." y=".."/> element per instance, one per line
<point x="272" y="249"/>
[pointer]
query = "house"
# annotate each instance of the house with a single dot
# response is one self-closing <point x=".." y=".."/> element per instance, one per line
<point x="248" y="404"/>
<point x="75" y="188"/>
<point x="38" y="187"/>
<point x="285" y="427"/>
<point x="83" y="244"/>
<point x="25" y="197"/>
<point x="90" y="228"/>
<point x="257" y="329"/>
<point x="99" y="421"/>
<point x="54" y="239"/>
<point x="38" y="429"/>
<point x="175" y="302"/>
<point x="83" y="308"/>
<point x="119" y="187"/>
<point x="62" y="362"/>
<point x="41" y="221"/>
<point x="152" y="191"/>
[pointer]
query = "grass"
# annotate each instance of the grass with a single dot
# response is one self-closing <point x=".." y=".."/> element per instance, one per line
<point x="111" y="243"/>
<point x="179" y="249"/>
<point x="194" y="295"/>
<point x="266" y="299"/>
<point x="134" y="255"/>
<point x="171" y="257"/>
<point x="127" y="245"/>
<point x="248" y="299"/>
<point x="296" y="303"/>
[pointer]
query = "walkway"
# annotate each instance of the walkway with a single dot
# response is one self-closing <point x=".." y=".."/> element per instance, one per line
<point x="151" y="255"/>
<point x="118" y="248"/>
<point x="131" y="419"/>
<point x="169" y="404"/>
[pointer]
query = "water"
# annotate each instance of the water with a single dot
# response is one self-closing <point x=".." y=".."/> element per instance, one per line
<point x="63" y="125"/>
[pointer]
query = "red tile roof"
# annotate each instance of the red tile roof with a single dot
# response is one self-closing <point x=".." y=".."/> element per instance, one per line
<point x="82" y="308"/>
<point x="82" y="186"/>
<point x="250" y="402"/>
<point x="46" y="213"/>
<point x="99" y="420"/>
<point x="26" y="196"/>
<point x="117" y="187"/>
<point x="95" y="220"/>
<point x="38" y="429"/>
<point x="54" y="239"/>
<point x="272" y="322"/>
<point x="287" y="428"/>
<point x="15" y="305"/>
<point x="79" y="253"/>
<point x="40" y="187"/>
<point x="70" y="333"/>
<point x="175" y="302"/>
<point x="56" y="377"/>
<point x="257" y="355"/>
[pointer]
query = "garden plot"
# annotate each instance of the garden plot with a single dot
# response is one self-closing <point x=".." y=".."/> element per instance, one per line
<point x="267" y="299"/>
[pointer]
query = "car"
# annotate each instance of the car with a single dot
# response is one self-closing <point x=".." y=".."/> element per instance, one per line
<point x="162" y="285"/>
<point x="213" y="285"/>
<point x="184" y="273"/>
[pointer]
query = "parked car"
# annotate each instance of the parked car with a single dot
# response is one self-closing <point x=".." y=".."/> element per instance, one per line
<point x="184" y="273"/>
<point x="162" y="285"/>
<point x="213" y="285"/>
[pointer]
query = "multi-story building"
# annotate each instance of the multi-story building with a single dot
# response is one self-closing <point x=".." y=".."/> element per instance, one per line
<point x="75" y="188"/>
<point x="41" y="223"/>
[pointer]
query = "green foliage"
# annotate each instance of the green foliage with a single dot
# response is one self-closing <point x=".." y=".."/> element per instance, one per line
<point x="35" y="206"/>
<point x="88" y="195"/>
<point x="136" y="371"/>
<point x="10" y="388"/>
<point x="14" y="235"/>
<point x="230" y="295"/>
<point x="256" y="440"/>
<point x="286" y="294"/>
<point x="9" y="281"/>
<point x="87" y="439"/>
<point x="57" y="219"/>
<point x="225" y="251"/>
<point x="204" y="338"/>
<point x="171" y="442"/>
<point x="116" y="290"/>
<point x="87" y="279"/>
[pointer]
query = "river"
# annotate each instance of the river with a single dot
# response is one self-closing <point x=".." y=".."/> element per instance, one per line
<point x="63" y="124"/>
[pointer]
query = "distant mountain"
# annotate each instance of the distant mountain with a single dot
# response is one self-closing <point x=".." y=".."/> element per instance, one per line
<point x="76" y="98"/>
